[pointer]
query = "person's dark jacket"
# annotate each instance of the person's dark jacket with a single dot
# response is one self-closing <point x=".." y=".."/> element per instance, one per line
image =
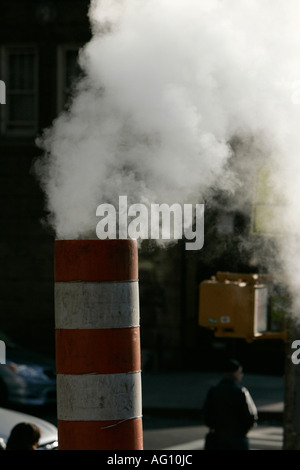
<point x="230" y="411"/>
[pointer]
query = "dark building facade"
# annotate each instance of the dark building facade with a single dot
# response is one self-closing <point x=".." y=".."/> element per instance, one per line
<point x="39" y="42"/>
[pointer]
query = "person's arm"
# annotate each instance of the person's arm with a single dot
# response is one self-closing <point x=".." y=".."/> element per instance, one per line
<point x="248" y="410"/>
<point x="208" y="409"/>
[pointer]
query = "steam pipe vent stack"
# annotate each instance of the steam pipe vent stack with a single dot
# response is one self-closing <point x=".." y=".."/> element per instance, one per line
<point x="98" y="345"/>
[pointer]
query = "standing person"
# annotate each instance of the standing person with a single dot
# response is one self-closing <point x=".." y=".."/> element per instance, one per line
<point x="24" y="436"/>
<point x="229" y="410"/>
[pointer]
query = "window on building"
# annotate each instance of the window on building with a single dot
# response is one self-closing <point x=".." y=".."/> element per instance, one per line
<point x="68" y="70"/>
<point x="20" y="74"/>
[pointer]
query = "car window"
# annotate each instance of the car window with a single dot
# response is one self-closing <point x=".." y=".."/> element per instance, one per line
<point x="7" y="340"/>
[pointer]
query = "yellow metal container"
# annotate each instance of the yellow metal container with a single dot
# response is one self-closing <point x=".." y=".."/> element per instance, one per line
<point x="234" y="305"/>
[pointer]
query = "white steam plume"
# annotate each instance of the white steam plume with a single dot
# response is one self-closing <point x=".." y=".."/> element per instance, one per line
<point x="168" y="84"/>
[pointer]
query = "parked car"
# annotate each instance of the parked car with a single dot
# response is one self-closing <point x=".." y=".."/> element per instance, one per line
<point x="9" y="418"/>
<point x="27" y="377"/>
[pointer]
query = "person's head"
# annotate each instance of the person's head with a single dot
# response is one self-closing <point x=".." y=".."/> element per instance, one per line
<point x="24" y="436"/>
<point x="233" y="368"/>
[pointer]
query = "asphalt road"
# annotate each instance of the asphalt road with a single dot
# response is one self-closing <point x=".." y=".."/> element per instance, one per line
<point x="166" y="433"/>
<point x="174" y="434"/>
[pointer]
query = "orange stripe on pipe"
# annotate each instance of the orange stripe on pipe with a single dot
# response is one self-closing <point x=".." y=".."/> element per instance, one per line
<point x="102" y="351"/>
<point x="100" y="435"/>
<point x="96" y="260"/>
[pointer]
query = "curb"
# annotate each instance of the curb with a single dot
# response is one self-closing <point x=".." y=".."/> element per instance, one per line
<point x="196" y="414"/>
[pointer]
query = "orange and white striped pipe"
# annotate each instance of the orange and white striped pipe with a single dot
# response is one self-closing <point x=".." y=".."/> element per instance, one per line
<point x="99" y="405"/>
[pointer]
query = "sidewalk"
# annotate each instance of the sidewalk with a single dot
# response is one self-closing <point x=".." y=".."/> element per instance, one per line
<point x="182" y="394"/>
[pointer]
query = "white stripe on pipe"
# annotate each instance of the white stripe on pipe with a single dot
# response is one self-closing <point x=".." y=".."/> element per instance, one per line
<point x="103" y="397"/>
<point x="94" y="305"/>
